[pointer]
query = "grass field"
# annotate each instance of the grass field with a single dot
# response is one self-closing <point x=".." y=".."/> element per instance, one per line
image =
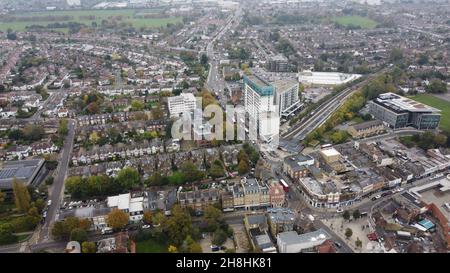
<point x="360" y="21"/>
<point x="438" y="103"/>
<point x="151" y="246"/>
<point x="81" y="16"/>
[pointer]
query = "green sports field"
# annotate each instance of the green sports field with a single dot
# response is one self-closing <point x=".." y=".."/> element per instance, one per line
<point x="360" y="21"/>
<point x="133" y="16"/>
<point x="438" y="103"/>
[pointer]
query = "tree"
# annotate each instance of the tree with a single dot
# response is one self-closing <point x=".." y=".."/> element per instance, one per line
<point x="219" y="237"/>
<point x="6" y="234"/>
<point x="76" y="187"/>
<point x="117" y="219"/>
<point x="346" y="215"/>
<point x="396" y="55"/>
<point x="11" y="36"/>
<point x="204" y="59"/>
<point x="63" y="127"/>
<point x="84" y="223"/>
<point x="440" y="139"/>
<point x="172" y="249"/>
<point x="339" y="137"/>
<point x="358" y="242"/>
<point x="158" y="219"/>
<point x="190" y="172"/>
<point x="212" y="216"/>
<point x="33" y="132"/>
<point x="148" y="216"/>
<point x="179" y="225"/>
<point x="94" y="138"/>
<point x="21" y="196"/>
<point x="88" y="247"/>
<point x="93" y="108"/>
<point x="157" y="112"/>
<point x="190" y="246"/>
<point x="137" y="105"/>
<point x="59" y="230"/>
<point x="2" y="197"/>
<point x="436" y="86"/>
<point x="79" y="235"/>
<point x="217" y="169"/>
<point x="356" y="214"/>
<point x="243" y="167"/>
<point x="128" y="177"/>
<point x="348" y="233"/>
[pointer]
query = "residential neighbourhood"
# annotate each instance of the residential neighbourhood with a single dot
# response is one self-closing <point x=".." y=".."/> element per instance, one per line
<point x="244" y="126"/>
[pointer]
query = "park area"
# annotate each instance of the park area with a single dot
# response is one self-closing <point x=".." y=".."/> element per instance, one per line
<point x="438" y="103"/>
<point x="148" y="18"/>
<point x="357" y="21"/>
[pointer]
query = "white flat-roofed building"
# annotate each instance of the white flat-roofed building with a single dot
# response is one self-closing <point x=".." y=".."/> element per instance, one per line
<point x="184" y="103"/>
<point x="330" y="154"/>
<point x="133" y="206"/>
<point x="312" y="78"/>
<point x="291" y="242"/>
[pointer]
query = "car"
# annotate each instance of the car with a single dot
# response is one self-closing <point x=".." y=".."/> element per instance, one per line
<point x="377" y="196"/>
<point x="49" y="202"/>
<point x="339" y="210"/>
<point x="107" y="230"/>
<point x="146" y="226"/>
<point x="337" y="244"/>
<point x="214" y="248"/>
<point x="400" y="189"/>
<point x="373" y="198"/>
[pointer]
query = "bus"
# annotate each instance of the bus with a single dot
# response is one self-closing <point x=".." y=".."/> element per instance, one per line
<point x="285" y="185"/>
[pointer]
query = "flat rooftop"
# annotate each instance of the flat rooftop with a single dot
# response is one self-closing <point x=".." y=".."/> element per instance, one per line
<point x="401" y="104"/>
<point x="330" y="152"/>
<point x="23" y="170"/>
<point x="258" y="81"/>
<point x="437" y="192"/>
<point x="283" y="84"/>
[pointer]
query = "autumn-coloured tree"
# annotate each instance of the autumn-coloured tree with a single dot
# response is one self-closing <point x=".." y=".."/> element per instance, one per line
<point x="243" y="167"/>
<point x="172" y="249"/>
<point x="148" y="216"/>
<point x="21" y="196"/>
<point x="117" y="219"/>
<point x="88" y="247"/>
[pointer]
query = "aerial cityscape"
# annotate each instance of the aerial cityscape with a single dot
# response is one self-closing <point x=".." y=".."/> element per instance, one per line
<point x="224" y="126"/>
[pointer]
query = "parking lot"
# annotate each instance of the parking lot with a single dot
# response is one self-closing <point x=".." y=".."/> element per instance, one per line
<point x="206" y="243"/>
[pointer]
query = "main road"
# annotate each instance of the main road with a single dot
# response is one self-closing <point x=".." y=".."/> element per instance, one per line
<point x="57" y="189"/>
<point x="214" y="82"/>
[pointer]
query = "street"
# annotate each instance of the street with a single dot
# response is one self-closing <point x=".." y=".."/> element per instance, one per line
<point x="57" y="188"/>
